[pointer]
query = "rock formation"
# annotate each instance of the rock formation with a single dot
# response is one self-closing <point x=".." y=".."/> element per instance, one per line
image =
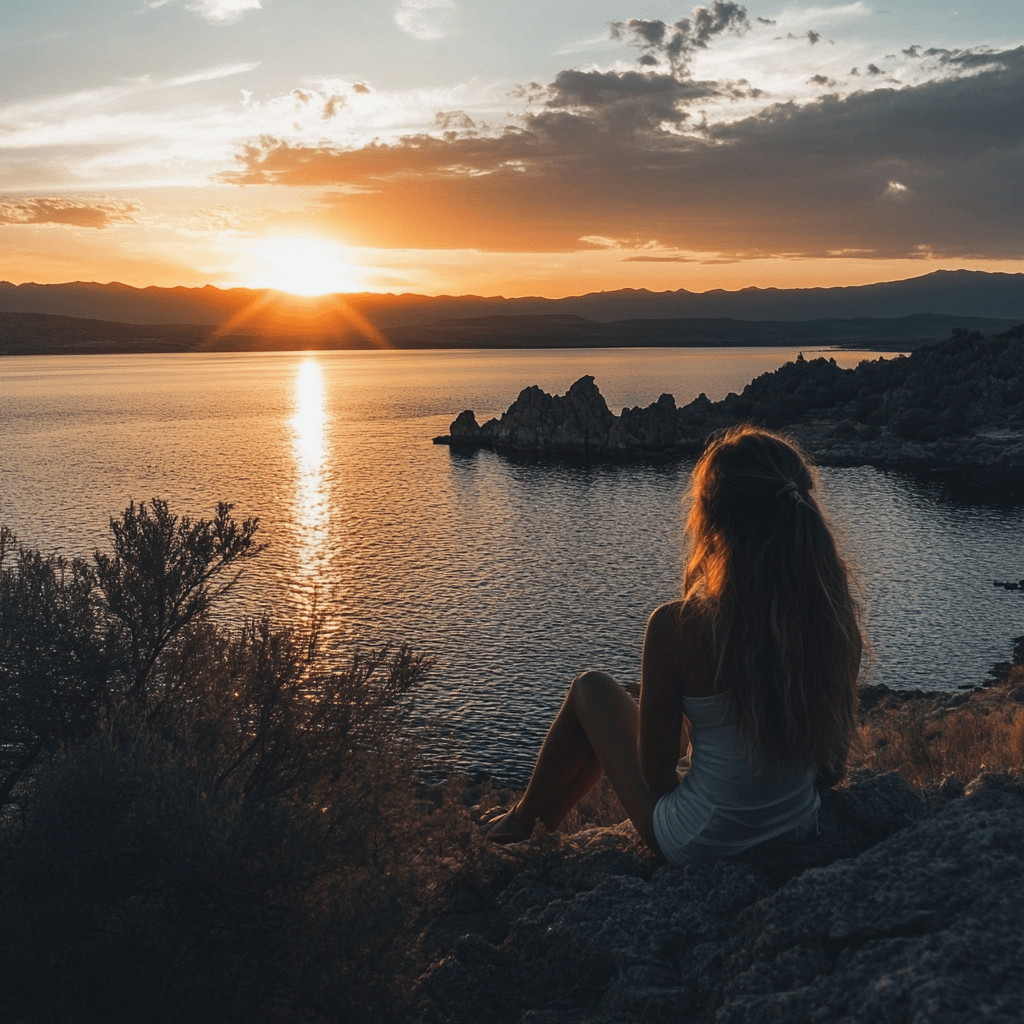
<point x="902" y="909"/>
<point x="955" y="405"/>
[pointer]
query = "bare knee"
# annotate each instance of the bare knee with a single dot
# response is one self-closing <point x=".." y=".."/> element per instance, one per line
<point x="589" y="685"/>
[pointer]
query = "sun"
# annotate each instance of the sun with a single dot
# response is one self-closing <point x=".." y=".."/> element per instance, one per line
<point x="306" y="266"/>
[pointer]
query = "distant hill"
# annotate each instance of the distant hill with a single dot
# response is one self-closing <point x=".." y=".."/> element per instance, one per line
<point x="49" y="334"/>
<point x="959" y="293"/>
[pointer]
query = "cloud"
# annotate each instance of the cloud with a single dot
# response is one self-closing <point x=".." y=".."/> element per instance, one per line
<point x="822" y="80"/>
<point x="87" y="212"/>
<point x="601" y="42"/>
<point x="810" y="35"/>
<point x="426" y="19"/>
<point x="677" y="43"/>
<point x="133" y="132"/>
<point x="620" y="154"/>
<point x="454" y="120"/>
<point x="220" y="12"/>
<point x="657" y="259"/>
<point x="333" y="106"/>
<point x="210" y="74"/>
<point x="221" y="219"/>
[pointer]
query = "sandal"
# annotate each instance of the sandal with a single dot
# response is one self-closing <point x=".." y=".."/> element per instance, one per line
<point x="504" y="829"/>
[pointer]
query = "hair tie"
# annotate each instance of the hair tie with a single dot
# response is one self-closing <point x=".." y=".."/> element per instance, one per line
<point x="791" y="490"/>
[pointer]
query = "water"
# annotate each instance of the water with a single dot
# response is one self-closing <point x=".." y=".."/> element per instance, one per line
<point x="516" y="576"/>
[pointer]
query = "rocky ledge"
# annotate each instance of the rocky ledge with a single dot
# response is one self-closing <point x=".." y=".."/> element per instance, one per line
<point x="903" y="908"/>
<point x="958" y="405"/>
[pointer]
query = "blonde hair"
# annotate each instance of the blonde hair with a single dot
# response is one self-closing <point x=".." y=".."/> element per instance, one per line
<point x="764" y="570"/>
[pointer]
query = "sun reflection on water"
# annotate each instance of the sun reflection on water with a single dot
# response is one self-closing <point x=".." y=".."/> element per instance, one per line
<point x="309" y="438"/>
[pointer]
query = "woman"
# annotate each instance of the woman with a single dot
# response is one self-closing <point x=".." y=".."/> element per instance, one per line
<point x="755" y="670"/>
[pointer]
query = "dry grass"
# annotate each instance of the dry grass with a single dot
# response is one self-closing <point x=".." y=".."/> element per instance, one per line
<point x="926" y="744"/>
<point x="599" y="807"/>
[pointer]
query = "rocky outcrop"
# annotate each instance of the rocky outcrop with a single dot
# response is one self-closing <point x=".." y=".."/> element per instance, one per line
<point x="959" y="405"/>
<point x="580" y="423"/>
<point x="900" y="910"/>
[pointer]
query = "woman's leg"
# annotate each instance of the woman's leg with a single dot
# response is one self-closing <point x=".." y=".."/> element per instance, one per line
<point x="595" y="730"/>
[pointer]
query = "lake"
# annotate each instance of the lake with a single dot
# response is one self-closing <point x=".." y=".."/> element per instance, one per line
<point x="515" y="575"/>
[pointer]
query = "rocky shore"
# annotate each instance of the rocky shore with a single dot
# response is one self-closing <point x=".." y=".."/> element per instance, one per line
<point x="903" y="908"/>
<point x="954" y="406"/>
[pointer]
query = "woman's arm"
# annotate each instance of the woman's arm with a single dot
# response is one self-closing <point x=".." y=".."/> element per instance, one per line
<point x="661" y="708"/>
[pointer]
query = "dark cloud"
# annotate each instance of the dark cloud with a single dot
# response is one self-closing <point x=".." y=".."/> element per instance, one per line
<point x="622" y="102"/>
<point x="854" y="72"/>
<point x="101" y="212"/>
<point x="822" y="80"/>
<point x="912" y="51"/>
<point x="676" y="43"/>
<point x="613" y="155"/>
<point x="874" y="70"/>
<point x="767" y="21"/>
<point x="967" y="60"/>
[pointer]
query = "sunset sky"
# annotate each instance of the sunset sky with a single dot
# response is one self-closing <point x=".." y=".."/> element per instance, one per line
<point x="542" y="147"/>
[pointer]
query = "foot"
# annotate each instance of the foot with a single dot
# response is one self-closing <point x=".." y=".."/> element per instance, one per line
<point x="506" y="828"/>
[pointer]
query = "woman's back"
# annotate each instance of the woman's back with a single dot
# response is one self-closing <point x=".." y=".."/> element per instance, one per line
<point x="723" y="805"/>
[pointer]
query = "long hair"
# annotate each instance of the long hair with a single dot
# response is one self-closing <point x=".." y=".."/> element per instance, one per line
<point x="764" y="569"/>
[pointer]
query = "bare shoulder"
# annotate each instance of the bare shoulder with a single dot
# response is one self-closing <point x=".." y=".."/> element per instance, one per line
<point x="681" y="623"/>
<point x="678" y="641"/>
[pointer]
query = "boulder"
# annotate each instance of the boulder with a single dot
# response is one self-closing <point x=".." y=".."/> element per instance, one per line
<point x="465" y="427"/>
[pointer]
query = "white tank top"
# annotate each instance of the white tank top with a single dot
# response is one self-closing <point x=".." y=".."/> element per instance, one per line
<point x="722" y="806"/>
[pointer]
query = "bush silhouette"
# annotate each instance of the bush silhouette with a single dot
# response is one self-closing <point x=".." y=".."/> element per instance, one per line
<point x="219" y="824"/>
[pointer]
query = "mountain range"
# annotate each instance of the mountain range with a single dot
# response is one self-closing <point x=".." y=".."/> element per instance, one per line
<point x="82" y="316"/>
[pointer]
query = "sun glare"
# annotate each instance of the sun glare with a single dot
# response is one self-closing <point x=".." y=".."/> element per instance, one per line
<point x="306" y="267"/>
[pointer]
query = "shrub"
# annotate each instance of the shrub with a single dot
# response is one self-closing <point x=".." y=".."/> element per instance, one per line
<point x="55" y="661"/>
<point x="78" y="638"/>
<point x="241" y="839"/>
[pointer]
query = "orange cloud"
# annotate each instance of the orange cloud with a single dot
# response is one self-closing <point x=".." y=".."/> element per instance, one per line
<point x="622" y="155"/>
<point x="97" y="213"/>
